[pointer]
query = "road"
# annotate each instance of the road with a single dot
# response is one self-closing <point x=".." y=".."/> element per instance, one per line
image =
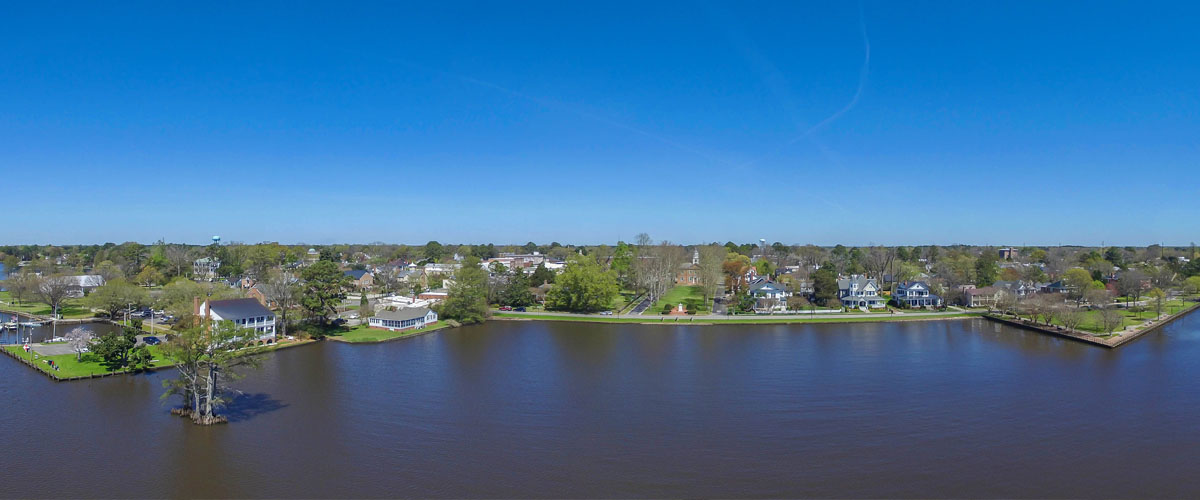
<point x="640" y="308"/>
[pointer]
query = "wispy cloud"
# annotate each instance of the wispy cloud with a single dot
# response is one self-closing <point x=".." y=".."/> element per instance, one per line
<point x="553" y="104"/>
<point x="863" y="72"/>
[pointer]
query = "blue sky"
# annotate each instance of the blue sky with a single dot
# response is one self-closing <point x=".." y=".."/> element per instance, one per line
<point x="996" y="122"/>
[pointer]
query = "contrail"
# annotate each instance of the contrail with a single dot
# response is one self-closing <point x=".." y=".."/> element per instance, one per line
<point x="862" y="83"/>
<point x="558" y="105"/>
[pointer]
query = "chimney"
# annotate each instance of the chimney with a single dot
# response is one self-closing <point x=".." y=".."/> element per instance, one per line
<point x="196" y="306"/>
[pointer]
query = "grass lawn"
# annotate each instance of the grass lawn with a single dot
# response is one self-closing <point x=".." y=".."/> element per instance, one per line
<point x="677" y="295"/>
<point x="70" y="308"/>
<point x="1091" y="319"/>
<point x="89" y="365"/>
<point x="362" y="333"/>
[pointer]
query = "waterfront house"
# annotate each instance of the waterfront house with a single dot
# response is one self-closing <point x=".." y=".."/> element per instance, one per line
<point x="987" y="296"/>
<point x="769" y="295"/>
<point x="859" y="291"/>
<point x="1055" y="287"/>
<point x="915" y="294"/>
<point x="205" y="268"/>
<point x="403" y="319"/>
<point x="361" y="278"/>
<point x="245" y="313"/>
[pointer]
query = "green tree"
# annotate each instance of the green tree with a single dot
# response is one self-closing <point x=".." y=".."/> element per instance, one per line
<point x="113" y="348"/>
<point x="541" y="276"/>
<point x="516" y="292"/>
<point x="115" y="296"/>
<point x="433" y="251"/>
<point x="825" y="287"/>
<point x="1159" y="297"/>
<point x="986" y="270"/>
<point x="1191" y="286"/>
<point x="764" y="267"/>
<point x="324" y="286"/>
<point x="466" y="301"/>
<point x="1079" y="279"/>
<point x="149" y="276"/>
<point x="208" y="359"/>
<point x="139" y="358"/>
<point x="622" y="261"/>
<point x="11" y="263"/>
<point x="583" y="287"/>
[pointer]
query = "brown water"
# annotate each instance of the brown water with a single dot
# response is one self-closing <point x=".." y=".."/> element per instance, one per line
<point x="929" y="409"/>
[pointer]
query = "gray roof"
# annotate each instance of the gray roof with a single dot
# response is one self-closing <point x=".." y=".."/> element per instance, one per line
<point x="763" y="283"/>
<point x="910" y="284"/>
<point x="403" y="314"/>
<point x="356" y="273"/>
<point x="844" y="283"/>
<point x="239" y="308"/>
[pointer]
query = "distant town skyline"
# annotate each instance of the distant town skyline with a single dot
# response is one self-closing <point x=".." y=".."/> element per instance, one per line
<point x="939" y="123"/>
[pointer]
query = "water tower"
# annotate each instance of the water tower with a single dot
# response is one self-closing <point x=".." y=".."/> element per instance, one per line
<point x="216" y="239"/>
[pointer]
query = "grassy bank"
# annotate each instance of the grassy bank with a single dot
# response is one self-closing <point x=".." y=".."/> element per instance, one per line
<point x="363" y="334"/>
<point x="1092" y="322"/>
<point x="69" y="309"/>
<point x="90" y="364"/>
<point x="736" y="321"/>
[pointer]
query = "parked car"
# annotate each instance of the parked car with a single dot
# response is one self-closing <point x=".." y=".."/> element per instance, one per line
<point x="149" y="340"/>
<point x="520" y="309"/>
<point x="606" y="313"/>
<point x="506" y="308"/>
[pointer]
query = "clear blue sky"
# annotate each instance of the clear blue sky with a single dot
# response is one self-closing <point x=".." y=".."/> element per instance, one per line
<point x="988" y="122"/>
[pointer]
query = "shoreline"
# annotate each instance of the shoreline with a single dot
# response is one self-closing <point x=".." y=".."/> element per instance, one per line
<point x="735" y="320"/>
<point x="1113" y="341"/>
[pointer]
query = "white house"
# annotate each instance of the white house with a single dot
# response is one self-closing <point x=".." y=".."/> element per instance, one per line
<point x="859" y="291"/>
<point x="403" y="319"/>
<point x="206" y="268"/>
<point x="245" y="313"/>
<point x="84" y="284"/>
<point x="769" y="295"/>
<point x="915" y="294"/>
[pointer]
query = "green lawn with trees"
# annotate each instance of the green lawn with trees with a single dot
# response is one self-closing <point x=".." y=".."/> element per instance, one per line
<point x="88" y="364"/>
<point x="692" y="297"/>
<point x="68" y="309"/>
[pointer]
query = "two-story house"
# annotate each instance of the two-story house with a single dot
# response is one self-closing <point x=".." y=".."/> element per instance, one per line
<point x="689" y="272"/>
<point x="915" y="294"/>
<point x="987" y="296"/>
<point x="1018" y="289"/>
<point x="361" y="278"/>
<point x="859" y="291"/>
<point x="769" y="295"/>
<point x="206" y="268"/>
<point x="245" y="313"/>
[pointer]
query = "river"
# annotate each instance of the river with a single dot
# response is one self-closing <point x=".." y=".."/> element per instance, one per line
<point x="961" y="408"/>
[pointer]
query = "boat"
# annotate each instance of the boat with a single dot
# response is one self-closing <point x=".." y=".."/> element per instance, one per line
<point x="30" y="323"/>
